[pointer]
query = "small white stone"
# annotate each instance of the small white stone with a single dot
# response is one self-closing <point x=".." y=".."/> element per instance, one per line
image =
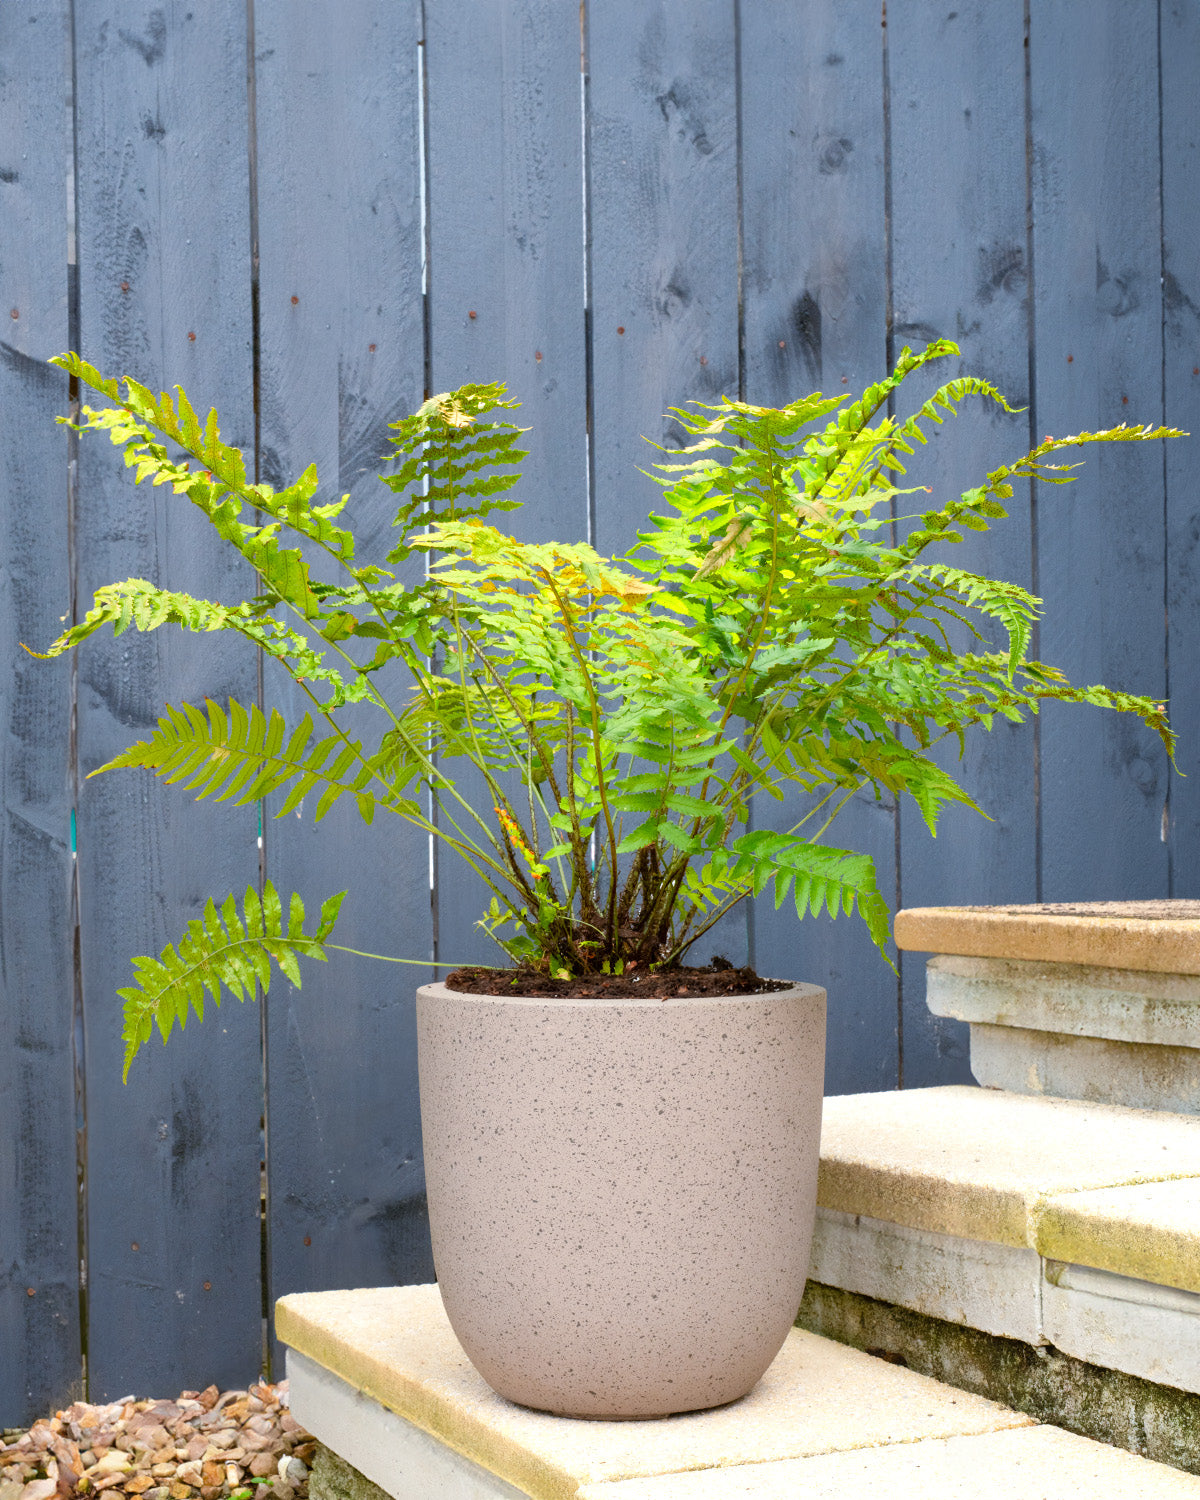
<point x="292" y="1471"/>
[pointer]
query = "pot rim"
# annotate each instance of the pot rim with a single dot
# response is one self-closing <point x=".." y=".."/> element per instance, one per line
<point x="436" y="990"/>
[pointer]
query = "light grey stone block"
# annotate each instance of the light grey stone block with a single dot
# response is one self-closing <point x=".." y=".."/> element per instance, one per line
<point x="1124" y="1005"/>
<point x="1124" y="1324"/>
<point x="1032" y="1463"/>
<point x="1157" y="1421"/>
<point x="391" y="1452"/>
<point x="996" y="1288"/>
<point x="1117" y="1036"/>
<point x="1080" y="1067"/>
<point x="395" y="1345"/>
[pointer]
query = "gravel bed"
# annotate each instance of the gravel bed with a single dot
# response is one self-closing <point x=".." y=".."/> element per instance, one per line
<point x="203" y="1445"/>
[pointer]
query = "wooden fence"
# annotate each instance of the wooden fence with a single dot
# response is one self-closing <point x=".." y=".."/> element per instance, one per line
<point x="310" y="215"/>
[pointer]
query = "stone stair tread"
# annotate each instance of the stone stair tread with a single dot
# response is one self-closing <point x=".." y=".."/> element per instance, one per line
<point x="396" y="1347"/>
<point x="1162" y="936"/>
<point x="982" y="1164"/>
<point x="1150" y="1230"/>
<point x="1032" y="1463"/>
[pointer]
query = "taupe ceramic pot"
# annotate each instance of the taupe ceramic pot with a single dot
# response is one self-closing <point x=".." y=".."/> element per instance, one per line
<point x="621" y="1192"/>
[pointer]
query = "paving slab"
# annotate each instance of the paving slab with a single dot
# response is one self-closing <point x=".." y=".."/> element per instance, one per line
<point x="982" y="1164"/>
<point x="1163" y="936"/>
<point x="393" y="1347"/>
<point x="1151" y="1231"/>
<point x="1036" y="1463"/>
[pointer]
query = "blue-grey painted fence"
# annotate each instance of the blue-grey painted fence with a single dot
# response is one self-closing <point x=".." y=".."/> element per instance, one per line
<point x="310" y="218"/>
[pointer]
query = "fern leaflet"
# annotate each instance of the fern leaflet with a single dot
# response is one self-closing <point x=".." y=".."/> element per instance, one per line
<point x="221" y="949"/>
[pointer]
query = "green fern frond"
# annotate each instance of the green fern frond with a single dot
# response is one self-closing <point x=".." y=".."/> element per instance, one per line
<point x="450" y="455"/>
<point x="140" y="605"/>
<point x="1050" y="683"/>
<point x="215" y="481"/>
<point x="221" y="949"/>
<point x="946" y="398"/>
<point x="821" y="878"/>
<point x="1013" y="606"/>
<point x="828" y="456"/>
<point x="244" y="755"/>
<point x="1033" y="465"/>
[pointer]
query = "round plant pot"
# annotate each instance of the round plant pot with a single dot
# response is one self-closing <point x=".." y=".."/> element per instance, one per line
<point x="621" y="1192"/>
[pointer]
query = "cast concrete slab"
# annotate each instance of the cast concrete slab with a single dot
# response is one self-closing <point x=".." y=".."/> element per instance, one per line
<point x="1085" y="1000"/>
<point x="393" y="1347"/>
<point x="996" y="1288"/>
<point x="1162" y="936"/>
<point x="1150" y="1230"/>
<point x="1122" y="1323"/>
<point x="982" y="1164"/>
<point x="1086" y="1067"/>
<point x="1035" y="1463"/>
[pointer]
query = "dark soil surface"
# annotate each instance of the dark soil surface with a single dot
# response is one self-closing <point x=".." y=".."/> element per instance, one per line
<point x="718" y="978"/>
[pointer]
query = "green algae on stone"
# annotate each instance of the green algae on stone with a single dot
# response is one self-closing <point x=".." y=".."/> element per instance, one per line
<point x="1155" y="1421"/>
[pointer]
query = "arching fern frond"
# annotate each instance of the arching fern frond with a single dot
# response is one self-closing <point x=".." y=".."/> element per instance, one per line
<point x="1013" y="606"/>
<point x="245" y="755"/>
<point x="947" y="397"/>
<point x="221" y="949"/>
<point x="821" y="878"/>
<point x="1033" y="464"/>
<point x="137" y="604"/>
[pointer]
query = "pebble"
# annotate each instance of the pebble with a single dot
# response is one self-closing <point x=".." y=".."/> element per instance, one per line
<point x="202" y="1445"/>
<point x="292" y="1471"/>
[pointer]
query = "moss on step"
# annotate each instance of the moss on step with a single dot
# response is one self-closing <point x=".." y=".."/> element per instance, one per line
<point x="1156" y="1421"/>
<point x="332" y="1478"/>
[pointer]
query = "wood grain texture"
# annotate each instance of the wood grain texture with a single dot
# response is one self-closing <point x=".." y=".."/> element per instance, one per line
<point x="39" y="1255"/>
<point x="1098" y="361"/>
<point x="815" y="308"/>
<point x="662" y="142"/>
<point x="523" y="225"/>
<point x="1180" y="51"/>
<point x="506" y="288"/>
<point x="959" y="272"/>
<point x="174" y="1295"/>
<point x="663" y="237"/>
<point x="342" y="355"/>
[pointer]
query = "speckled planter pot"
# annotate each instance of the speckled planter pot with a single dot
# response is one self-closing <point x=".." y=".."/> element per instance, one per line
<point x="621" y="1192"/>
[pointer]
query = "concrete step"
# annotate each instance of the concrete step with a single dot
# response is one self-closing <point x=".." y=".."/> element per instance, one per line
<point x="378" y="1376"/>
<point x="1091" y="1000"/>
<point x="1054" y="1221"/>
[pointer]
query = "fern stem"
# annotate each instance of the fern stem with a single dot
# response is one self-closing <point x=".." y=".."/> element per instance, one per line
<point x="421" y="963"/>
<point x="597" y="752"/>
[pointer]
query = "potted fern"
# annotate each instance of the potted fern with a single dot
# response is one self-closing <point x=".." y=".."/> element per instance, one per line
<point x="621" y="1151"/>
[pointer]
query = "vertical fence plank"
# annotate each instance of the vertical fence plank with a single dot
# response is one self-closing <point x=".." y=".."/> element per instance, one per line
<point x="506" y="289"/>
<point x="662" y="133"/>
<point x="663" y="234"/>
<point x="1098" y="361"/>
<point x="959" y="271"/>
<point x="815" y="300"/>
<point x="174" y="1296"/>
<point x="1180" y="50"/>
<point x="39" y="1256"/>
<point x="342" y="355"/>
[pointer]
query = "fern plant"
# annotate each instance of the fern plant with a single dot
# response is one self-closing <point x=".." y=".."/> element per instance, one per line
<point x="776" y="623"/>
